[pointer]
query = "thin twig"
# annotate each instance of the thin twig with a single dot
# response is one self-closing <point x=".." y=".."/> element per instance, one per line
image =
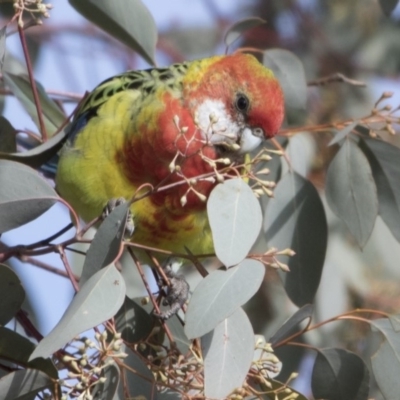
<point x="33" y="83"/>
<point x="337" y="77"/>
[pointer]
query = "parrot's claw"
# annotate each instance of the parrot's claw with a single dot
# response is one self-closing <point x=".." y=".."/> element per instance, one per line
<point x="130" y="225"/>
<point x="175" y="295"/>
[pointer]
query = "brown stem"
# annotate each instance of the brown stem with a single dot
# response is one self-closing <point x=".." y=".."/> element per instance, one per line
<point x="68" y="269"/>
<point x="33" y="83"/>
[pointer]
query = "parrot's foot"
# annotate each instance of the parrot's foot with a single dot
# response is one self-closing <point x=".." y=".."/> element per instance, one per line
<point x="130" y="225"/>
<point x="175" y="295"/>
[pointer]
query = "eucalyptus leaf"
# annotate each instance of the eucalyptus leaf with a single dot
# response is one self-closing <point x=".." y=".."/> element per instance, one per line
<point x="107" y="390"/>
<point x="98" y="300"/>
<point x="228" y="352"/>
<point x="133" y="322"/>
<point x="237" y="29"/>
<point x="235" y="218"/>
<point x="129" y="21"/>
<point x="295" y="218"/>
<point x="20" y="85"/>
<point x="8" y="142"/>
<point x="18" y="385"/>
<point x="383" y="159"/>
<point x="12" y="294"/>
<point x="107" y="242"/>
<point x="351" y="191"/>
<point x="17" y="349"/>
<point x="343" y="133"/>
<point x="38" y="155"/>
<point x="219" y="294"/>
<point x="292" y="324"/>
<point x="3" y="32"/>
<point x="339" y="375"/>
<point x="24" y="195"/>
<point x="137" y="385"/>
<point x="289" y="70"/>
<point x="386" y="361"/>
<point x="388" y="6"/>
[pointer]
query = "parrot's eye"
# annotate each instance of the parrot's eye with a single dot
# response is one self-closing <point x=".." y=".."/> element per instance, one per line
<point x="242" y="102"/>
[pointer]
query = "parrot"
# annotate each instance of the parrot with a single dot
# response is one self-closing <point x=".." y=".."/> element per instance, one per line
<point x="170" y="129"/>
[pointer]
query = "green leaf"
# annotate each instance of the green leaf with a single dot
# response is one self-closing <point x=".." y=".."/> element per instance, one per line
<point x="386" y="361"/>
<point x="343" y="133"/>
<point x="237" y="29"/>
<point x="289" y="70"/>
<point x="106" y="244"/>
<point x="98" y="300"/>
<point x="19" y="385"/>
<point x="24" y="195"/>
<point x="220" y="294"/>
<point x="40" y="154"/>
<point x="295" y="219"/>
<point x="388" y="6"/>
<point x="3" y="32"/>
<point x="107" y="390"/>
<point x="8" y="142"/>
<point x="228" y="352"/>
<point x="395" y="321"/>
<point x="292" y="324"/>
<point x="12" y="294"/>
<point x="235" y="218"/>
<point x="177" y="330"/>
<point x="138" y="385"/>
<point x="17" y="349"/>
<point x="384" y="161"/>
<point x="351" y="192"/>
<point x="129" y="21"/>
<point x="339" y="375"/>
<point x="20" y="85"/>
<point x="133" y="322"/>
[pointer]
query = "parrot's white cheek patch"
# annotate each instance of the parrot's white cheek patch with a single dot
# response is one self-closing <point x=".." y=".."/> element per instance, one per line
<point x="216" y="124"/>
<point x="248" y="141"/>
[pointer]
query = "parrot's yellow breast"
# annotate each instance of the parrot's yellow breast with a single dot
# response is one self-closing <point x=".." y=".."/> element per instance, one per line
<point x="90" y="173"/>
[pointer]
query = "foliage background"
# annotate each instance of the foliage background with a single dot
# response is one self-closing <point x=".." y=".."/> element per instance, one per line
<point x="351" y="37"/>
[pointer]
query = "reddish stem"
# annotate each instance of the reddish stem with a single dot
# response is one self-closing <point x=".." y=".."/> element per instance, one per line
<point x="33" y="83"/>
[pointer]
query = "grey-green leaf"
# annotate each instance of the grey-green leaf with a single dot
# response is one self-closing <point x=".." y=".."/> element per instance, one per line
<point x="384" y="159"/>
<point x="228" y="352"/>
<point x="343" y="133"/>
<point x="8" y="142"/>
<point x="17" y="349"/>
<point x="351" y="191"/>
<point x="106" y="244"/>
<point x="2" y="46"/>
<point x="129" y="21"/>
<point x="388" y="6"/>
<point x="40" y="154"/>
<point x="339" y="375"/>
<point x="107" y="390"/>
<point x="292" y="324"/>
<point x="12" y="294"/>
<point x="235" y="218"/>
<point x="386" y="361"/>
<point x="98" y="300"/>
<point x="295" y="218"/>
<point x="218" y="295"/>
<point x="289" y="70"/>
<point x="133" y="322"/>
<point x="19" y="385"/>
<point x="237" y="29"/>
<point x="24" y="195"/>
<point x="137" y="385"/>
<point x="53" y="117"/>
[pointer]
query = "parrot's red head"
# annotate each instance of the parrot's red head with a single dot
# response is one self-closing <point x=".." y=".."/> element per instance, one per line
<point x="242" y="99"/>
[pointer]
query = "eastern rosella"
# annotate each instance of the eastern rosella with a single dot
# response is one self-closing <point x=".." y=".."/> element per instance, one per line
<point x="162" y="126"/>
